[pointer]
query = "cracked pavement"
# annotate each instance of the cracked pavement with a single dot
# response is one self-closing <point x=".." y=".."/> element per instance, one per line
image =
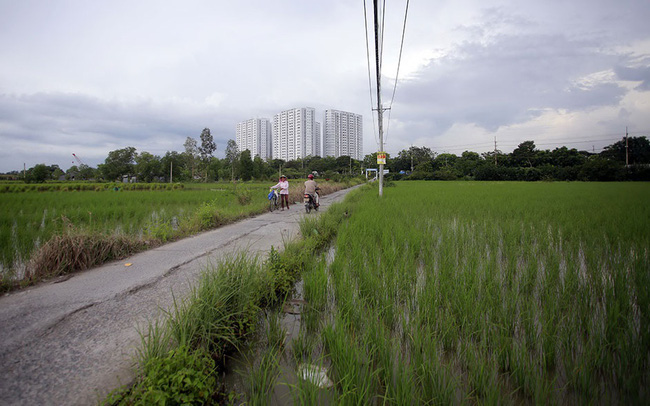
<point x="73" y="339"/>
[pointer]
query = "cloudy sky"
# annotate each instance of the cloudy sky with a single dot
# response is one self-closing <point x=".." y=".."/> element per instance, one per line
<point x="89" y="77"/>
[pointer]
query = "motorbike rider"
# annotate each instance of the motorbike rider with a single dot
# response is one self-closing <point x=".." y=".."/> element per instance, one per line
<point x="311" y="187"/>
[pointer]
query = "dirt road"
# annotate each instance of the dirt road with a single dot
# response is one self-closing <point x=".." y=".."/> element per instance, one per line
<point x="71" y="341"/>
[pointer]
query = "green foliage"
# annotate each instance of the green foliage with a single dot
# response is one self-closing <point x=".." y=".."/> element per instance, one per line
<point x="280" y="279"/>
<point x="119" y="163"/>
<point x="181" y="377"/>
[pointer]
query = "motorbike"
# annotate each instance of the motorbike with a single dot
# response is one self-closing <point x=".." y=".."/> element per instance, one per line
<point x="310" y="203"/>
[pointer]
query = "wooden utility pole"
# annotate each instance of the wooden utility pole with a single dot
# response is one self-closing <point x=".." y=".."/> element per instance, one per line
<point x="495" y="150"/>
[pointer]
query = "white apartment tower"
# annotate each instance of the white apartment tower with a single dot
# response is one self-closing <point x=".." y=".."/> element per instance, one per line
<point x="255" y="135"/>
<point x="296" y="134"/>
<point x="343" y="134"/>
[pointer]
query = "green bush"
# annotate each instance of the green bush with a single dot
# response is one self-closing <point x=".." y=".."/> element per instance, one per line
<point x="182" y="377"/>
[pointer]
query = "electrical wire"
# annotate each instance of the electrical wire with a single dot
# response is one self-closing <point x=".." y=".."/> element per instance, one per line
<point x="399" y="62"/>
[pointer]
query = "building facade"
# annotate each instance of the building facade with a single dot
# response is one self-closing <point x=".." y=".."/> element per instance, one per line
<point x="342" y="134"/>
<point x="296" y="134"/>
<point x="255" y="135"/>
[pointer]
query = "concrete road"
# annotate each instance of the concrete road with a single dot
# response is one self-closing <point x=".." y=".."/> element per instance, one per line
<point x="72" y="340"/>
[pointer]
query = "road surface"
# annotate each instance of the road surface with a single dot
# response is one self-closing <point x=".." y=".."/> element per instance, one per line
<point x="72" y="340"/>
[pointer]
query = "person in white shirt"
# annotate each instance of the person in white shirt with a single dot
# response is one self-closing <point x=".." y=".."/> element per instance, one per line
<point x="283" y="185"/>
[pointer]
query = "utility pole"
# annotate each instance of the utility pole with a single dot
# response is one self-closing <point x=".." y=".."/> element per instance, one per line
<point x="171" y="173"/>
<point x="379" y="107"/>
<point x="495" y="150"/>
<point x="411" y="158"/>
<point x="627" y="149"/>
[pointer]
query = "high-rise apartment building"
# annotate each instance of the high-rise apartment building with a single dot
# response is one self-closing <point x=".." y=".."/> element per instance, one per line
<point x="255" y="135"/>
<point x="296" y="134"/>
<point x="343" y="134"/>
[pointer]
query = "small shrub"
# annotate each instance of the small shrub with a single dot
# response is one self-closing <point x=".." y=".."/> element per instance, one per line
<point x="182" y="377"/>
<point x="207" y="216"/>
<point x="244" y="196"/>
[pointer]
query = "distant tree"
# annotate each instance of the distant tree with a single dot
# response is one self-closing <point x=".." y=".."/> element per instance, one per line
<point x="119" y="163"/>
<point x="564" y="157"/>
<point x="468" y="162"/>
<point x="598" y="168"/>
<point x="174" y="162"/>
<point x="524" y="154"/>
<point x="232" y="156"/>
<point x="445" y="160"/>
<point x="86" y="172"/>
<point x="260" y="168"/>
<point x="147" y="166"/>
<point x="638" y="150"/>
<point x="37" y="174"/>
<point x="408" y="159"/>
<point x="192" y="154"/>
<point x="206" y="150"/>
<point x="246" y="166"/>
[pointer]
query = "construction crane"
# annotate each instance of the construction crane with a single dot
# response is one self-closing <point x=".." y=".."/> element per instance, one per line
<point x="78" y="160"/>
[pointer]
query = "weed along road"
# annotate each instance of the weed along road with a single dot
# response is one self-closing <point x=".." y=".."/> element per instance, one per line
<point x="72" y="340"/>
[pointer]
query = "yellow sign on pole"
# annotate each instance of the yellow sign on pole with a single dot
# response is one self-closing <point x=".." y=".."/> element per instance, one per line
<point x="381" y="158"/>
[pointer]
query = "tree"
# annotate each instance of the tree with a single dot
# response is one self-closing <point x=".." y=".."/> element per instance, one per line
<point x="408" y="159"/>
<point x="524" y="154"/>
<point x="147" y="166"/>
<point x="638" y="151"/>
<point x="119" y="163"/>
<point x="37" y="174"/>
<point x="232" y="156"/>
<point x="246" y="165"/>
<point x="206" y="150"/>
<point x="173" y="161"/>
<point x="468" y="162"/>
<point x="192" y="153"/>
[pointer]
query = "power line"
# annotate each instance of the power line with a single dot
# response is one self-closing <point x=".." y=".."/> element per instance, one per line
<point x="399" y="62"/>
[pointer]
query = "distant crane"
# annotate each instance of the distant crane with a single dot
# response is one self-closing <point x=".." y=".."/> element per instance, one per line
<point x="78" y="160"/>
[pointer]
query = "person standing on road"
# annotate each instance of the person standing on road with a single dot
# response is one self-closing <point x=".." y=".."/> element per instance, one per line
<point x="283" y="185"/>
<point x="310" y="188"/>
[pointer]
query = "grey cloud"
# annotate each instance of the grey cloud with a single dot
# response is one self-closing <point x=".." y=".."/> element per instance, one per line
<point x="508" y="81"/>
<point x="635" y="74"/>
<point x="57" y="124"/>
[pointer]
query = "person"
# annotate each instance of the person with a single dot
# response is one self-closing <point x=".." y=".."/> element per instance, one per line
<point x="311" y="187"/>
<point x="283" y="185"/>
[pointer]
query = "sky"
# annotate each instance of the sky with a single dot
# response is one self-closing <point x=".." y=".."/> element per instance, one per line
<point x="89" y="77"/>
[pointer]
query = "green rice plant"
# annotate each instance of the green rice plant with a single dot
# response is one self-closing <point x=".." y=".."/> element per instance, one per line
<point x="275" y="333"/>
<point x="355" y="379"/>
<point x="261" y="377"/>
<point x="302" y="347"/>
<point x="526" y="288"/>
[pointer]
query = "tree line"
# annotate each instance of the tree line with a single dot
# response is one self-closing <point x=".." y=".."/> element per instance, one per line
<point x="624" y="160"/>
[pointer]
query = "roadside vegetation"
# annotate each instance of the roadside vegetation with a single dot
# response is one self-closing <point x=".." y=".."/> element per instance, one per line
<point x="438" y="292"/>
<point x="64" y="229"/>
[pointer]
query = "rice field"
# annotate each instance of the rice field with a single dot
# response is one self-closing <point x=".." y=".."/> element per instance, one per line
<point x="29" y="219"/>
<point x="468" y="292"/>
